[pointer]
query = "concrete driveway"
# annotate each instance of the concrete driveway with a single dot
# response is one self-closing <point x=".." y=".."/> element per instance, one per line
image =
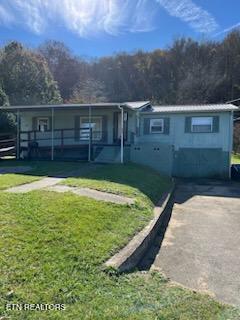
<point x="201" y="247"/>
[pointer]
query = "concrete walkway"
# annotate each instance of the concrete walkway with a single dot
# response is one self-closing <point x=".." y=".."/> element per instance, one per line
<point x="95" y="194"/>
<point x="43" y="183"/>
<point x="201" y="247"/>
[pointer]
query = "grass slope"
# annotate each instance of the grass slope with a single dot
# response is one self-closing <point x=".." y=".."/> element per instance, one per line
<point x="134" y="181"/>
<point x="52" y="248"/>
<point x="40" y="169"/>
<point x="235" y="158"/>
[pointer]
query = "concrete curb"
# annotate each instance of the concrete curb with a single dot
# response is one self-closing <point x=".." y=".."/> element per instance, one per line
<point x="128" y="257"/>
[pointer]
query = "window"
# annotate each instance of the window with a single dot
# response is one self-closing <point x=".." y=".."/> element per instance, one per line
<point x="202" y="124"/>
<point x="96" y="125"/>
<point x="43" y="124"/>
<point x="156" y="126"/>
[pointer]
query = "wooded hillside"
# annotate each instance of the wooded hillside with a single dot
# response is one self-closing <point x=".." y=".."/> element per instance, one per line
<point x="186" y="72"/>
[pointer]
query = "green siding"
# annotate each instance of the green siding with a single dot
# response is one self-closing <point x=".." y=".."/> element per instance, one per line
<point x="146" y="124"/>
<point x="155" y="155"/>
<point x="201" y="162"/>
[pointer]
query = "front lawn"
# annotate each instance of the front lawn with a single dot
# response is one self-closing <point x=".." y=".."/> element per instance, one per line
<point x="39" y="170"/>
<point x="53" y="246"/>
<point x="131" y="180"/>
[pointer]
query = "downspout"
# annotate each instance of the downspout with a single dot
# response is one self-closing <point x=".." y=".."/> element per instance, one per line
<point x="52" y="149"/>
<point x="90" y="132"/>
<point x="138" y="126"/>
<point x="18" y="134"/>
<point x="122" y="114"/>
<point x="230" y="143"/>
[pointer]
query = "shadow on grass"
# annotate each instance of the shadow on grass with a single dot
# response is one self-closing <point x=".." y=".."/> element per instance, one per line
<point x="145" y="179"/>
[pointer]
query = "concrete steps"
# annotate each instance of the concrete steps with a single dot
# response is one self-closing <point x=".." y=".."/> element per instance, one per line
<point x="109" y="154"/>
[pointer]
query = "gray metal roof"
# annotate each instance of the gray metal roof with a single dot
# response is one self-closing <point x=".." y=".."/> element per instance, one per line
<point x="137" y="104"/>
<point x="132" y="105"/>
<point x="194" y="108"/>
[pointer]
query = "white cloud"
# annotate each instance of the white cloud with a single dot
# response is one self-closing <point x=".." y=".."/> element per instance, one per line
<point x="84" y="17"/>
<point x="186" y="10"/>
<point x="89" y="17"/>
<point x="235" y="26"/>
<point x="6" y="17"/>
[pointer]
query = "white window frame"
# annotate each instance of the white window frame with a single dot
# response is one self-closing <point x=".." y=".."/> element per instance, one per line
<point x="152" y="125"/>
<point x="81" y="129"/>
<point x="201" y="118"/>
<point x="45" y="119"/>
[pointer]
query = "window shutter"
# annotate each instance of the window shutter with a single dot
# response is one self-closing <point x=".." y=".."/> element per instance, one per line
<point x="104" y="129"/>
<point x="50" y="123"/>
<point x="146" y="126"/>
<point x="166" y="125"/>
<point x="34" y="123"/>
<point x="216" y="124"/>
<point x="188" y="123"/>
<point x="76" y="128"/>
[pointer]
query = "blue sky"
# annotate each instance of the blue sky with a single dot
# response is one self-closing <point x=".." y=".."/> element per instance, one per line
<point x="93" y="28"/>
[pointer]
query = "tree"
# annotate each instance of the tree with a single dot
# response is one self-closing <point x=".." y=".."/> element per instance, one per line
<point x="236" y="137"/>
<point x="66" y="69"/>
<point x="90" y="91"/>
<point x="26" y="78"/>
<point x="4" y="101"/>
<point x="7" y="123"/>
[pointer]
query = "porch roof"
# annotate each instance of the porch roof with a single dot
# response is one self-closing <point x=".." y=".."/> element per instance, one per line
<point x="131" y="105"/>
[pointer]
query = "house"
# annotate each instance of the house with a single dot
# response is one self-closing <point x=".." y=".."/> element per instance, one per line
<point x="181" y="141"/>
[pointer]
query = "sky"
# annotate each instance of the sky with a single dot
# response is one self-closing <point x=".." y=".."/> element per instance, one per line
<point x="94" y="28"/>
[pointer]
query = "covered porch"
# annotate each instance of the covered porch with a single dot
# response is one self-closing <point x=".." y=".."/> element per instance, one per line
<point x="101" y="133"/>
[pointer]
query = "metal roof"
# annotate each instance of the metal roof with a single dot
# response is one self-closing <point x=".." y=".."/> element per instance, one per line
<point x="132" y="105"/>
<point x="137" y="104"/>
<point x="194" y="108"/>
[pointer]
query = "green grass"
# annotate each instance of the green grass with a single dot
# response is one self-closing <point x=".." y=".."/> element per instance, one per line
<point x="40" y="169"/>
<point x="142" y="183"/>
<point x="11" y="180"/>
<point x="235" y="158"/>
<point x="52" y="249"/>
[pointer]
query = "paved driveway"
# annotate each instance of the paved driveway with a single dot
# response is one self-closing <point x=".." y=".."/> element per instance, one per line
<point x="201" y="247"/>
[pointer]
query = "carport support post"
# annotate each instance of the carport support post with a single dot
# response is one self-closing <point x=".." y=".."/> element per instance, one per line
<point x="122" y="115"/>
<point x="18" y="134"/>
<point x="230" y="143"/>
<point x="90" y="132"/>
<point x="52" y="149"/>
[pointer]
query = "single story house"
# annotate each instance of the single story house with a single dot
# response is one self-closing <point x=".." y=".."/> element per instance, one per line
<point x="181" y="141"/>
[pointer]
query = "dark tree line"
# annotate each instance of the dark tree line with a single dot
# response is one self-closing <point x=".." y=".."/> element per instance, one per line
<point x="187" y="72"/>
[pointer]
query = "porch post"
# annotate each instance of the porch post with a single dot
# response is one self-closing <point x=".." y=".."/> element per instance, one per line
<point x="52" y="149"/>
<point x="122" y="115"/>
<point x="18" y="134"/>
<point x="90" y="132"/>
